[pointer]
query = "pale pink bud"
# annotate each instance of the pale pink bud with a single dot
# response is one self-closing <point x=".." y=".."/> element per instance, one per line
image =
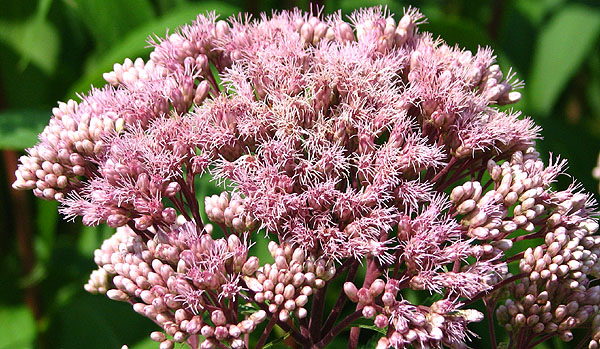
<point x="351" y="291"/>
<point x="218" y="317"/>
<point x="381" y="321"/>
<point x="168" y="344"/>
<point x="251" y="265"/>
<point x="368" y="312"/>
<point x="157" y="336"/>
<point x="117" y="295"/>
<point x="377" y="287"/>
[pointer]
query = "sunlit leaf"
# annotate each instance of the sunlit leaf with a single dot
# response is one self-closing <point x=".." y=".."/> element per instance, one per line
<point x="561" y="48"/>
<point x="109" y="20"/>
<point x="91" y="238"/>
<point x="145" y="343"/>
<point x="96" y="322"/>
<point x="35" y="40"/>
<point x="278" y="343"/>
<point x="134" y="44"/>
<point x="17" y="327"/>
<point x="536" y="10"/>
<point x="19" y="128"/>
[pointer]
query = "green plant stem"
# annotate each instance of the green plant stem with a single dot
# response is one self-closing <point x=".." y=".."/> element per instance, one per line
<point x="24" y="232"/>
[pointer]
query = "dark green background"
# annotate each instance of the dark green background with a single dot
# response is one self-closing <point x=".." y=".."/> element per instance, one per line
<point x="49" y="50"/>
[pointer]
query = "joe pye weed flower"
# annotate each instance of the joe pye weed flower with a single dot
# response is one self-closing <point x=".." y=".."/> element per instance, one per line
<point x="352" y="144"/>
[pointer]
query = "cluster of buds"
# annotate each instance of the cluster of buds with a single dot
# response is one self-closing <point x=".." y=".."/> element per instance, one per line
<point x="521" y="182"/>
<point x="544" y="312"/>
<point x="75" y="133"/>
<point x="75" y="140"/>
<point x="175" y="281"/>
<point x="443" y="322"/>
<point x="365" y="297"/>
<point x="286" y="284"/>
<point x="556" y="294"/>
<point x="223" y="210"/>
<point x="131" y="71"/>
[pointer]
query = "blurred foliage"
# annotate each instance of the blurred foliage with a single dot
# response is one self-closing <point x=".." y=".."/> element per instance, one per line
<point x="49" y="50"/>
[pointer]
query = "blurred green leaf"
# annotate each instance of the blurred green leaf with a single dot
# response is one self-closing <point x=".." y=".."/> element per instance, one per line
<point x="561" y="48"/>
<point x="145" y="343"/>
<point x="91" y="322"/>
<point x="457" y="30"/>
<point x="35" y="40"/>
<point x="109" y="20"/>
<point x="19" y="128"/>
<point x="278" y="343"/>
<point x="134" y="44"/>
<point x="46" y="219"/>
<point x="17" y="327"/>
<point x="90" y="238"/>
<point x="348" y="6"/>
<point x="536" y="10"/>
<point x="372" y="343"/>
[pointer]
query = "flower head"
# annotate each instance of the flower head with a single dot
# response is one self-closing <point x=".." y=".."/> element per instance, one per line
<point x="352" y="143"/>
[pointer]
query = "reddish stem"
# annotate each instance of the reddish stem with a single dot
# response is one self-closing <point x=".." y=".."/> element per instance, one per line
<point x="338" y="328"/>
<point x="316" y="316"/>
<point x="21" y="212"/>
<point x="496" y="286"/>
<point x="339" y="305"/>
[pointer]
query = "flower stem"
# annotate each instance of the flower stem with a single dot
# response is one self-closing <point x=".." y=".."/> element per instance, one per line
<point x="263" y="338"/>
<point x="338" y="328"/>
<point x="316" y="316"/>
<point x="496" y="286"/>
<point x="339" y="305"/>
<point x="299" y="338"/>
<point x="489" y="306"/>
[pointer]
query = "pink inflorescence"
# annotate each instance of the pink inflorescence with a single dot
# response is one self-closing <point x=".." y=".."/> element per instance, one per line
<point x="349" y="144"/>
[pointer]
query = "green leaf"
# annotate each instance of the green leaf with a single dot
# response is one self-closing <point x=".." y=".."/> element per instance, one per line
<point x="134" y="44"/>
<point x="536" y="10"/>
<point x="277" y="343"/>
<point x="47" y="221"/>
<point x="372" y="343"/>
<point x="94" y="321"/>
<point x="90" y="238"/>
<point x="19" y="128"/>
<point x="370" y="327"/>
<point x="109" y="20"/>
<point x="35" y="40"/>
<point x="561" y="48"/>
<point x="145" y="343"/>
<point x="458" y="30"/>
<point x="17" y="327"/>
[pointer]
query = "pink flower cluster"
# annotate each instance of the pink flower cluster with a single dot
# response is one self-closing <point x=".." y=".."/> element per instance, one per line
<point x="361" y="144"/>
